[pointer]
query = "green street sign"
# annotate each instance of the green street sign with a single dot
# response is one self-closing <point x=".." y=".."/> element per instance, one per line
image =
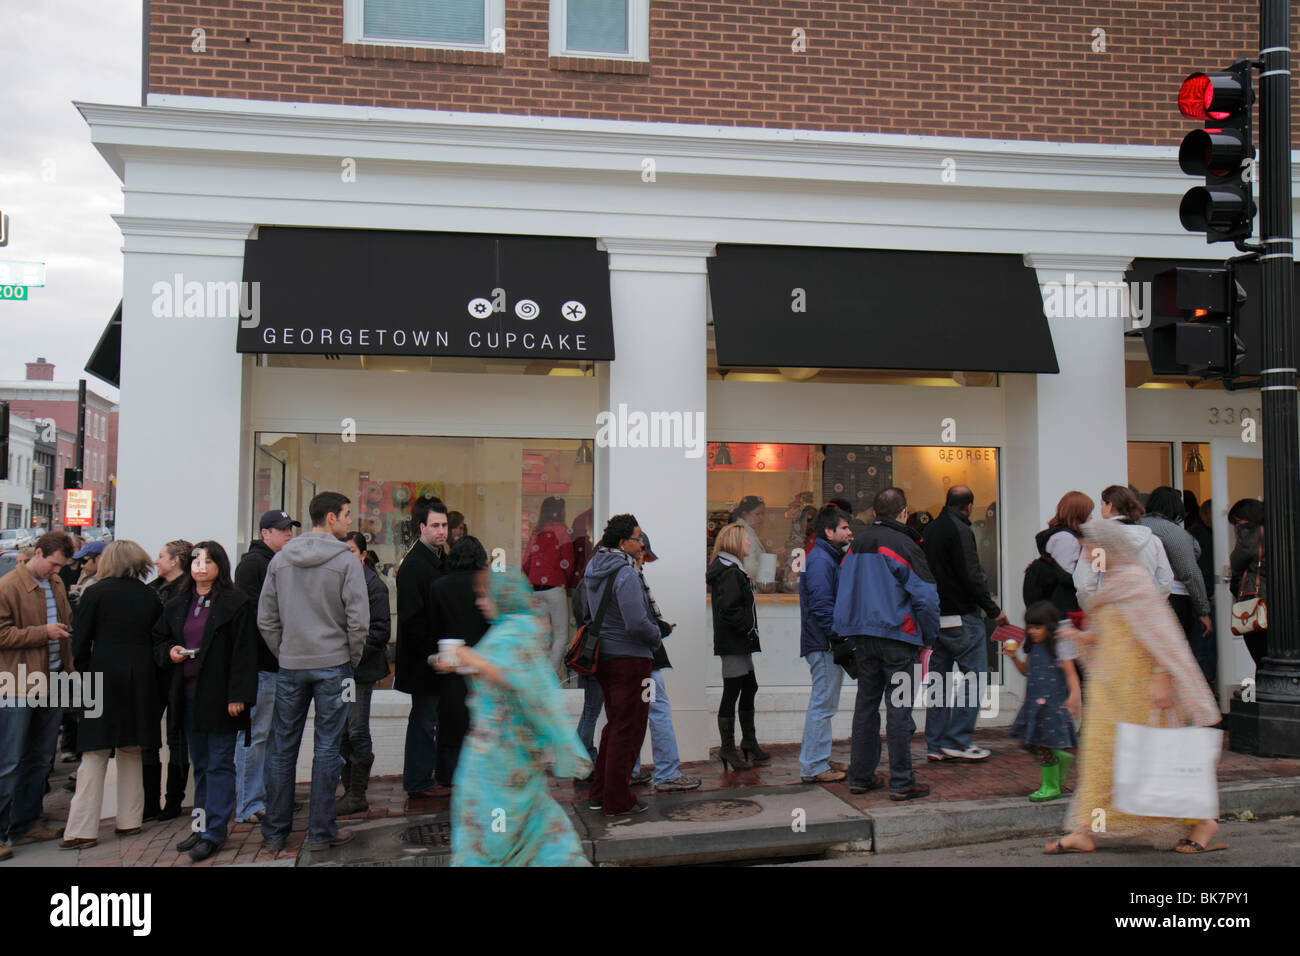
<point x="13" y="292"/>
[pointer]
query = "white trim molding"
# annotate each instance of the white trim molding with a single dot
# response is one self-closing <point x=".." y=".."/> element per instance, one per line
<point x="657" y="255"/>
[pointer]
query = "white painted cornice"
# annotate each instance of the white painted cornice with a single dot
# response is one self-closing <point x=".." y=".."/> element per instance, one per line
<point x="207" y="125"/>
<point x="1076" y="262"/>
<point x="183" y="236"/>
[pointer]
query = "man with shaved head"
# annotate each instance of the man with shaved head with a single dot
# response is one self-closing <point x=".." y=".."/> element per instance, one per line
<point x="963" y="593"/>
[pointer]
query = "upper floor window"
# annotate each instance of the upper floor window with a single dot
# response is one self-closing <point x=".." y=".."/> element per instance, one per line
<point x="618" y="29"/>
<point x="456" y="24"/>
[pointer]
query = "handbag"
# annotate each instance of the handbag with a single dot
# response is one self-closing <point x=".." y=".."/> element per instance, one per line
<point x="1251" y="614"/>
<point x="1167" y="771"/>
<point x="583" y="655"/>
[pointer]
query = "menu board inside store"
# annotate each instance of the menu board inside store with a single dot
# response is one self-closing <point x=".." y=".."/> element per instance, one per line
<point x="376" y="292"/>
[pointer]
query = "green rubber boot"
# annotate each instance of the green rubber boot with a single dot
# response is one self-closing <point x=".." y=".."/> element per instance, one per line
<point x="1051" y="788"/>
<point x="1064" y="760"/>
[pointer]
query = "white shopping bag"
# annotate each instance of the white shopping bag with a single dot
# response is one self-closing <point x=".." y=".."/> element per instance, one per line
<point x="1167" y="771"/>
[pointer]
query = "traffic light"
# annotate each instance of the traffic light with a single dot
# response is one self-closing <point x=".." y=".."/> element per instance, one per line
<point x="1194" y="328"/>
<point x="1223" y="152"/>
<point x="71" y="478"/>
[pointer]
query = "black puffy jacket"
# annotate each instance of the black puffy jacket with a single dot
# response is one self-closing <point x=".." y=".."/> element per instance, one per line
<point x="735" y="616"/>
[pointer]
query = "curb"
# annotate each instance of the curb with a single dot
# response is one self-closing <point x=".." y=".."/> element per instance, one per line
<point x="898" y="830"/>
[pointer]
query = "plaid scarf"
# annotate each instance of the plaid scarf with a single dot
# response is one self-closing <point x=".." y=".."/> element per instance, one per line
<point x="654" y="608"/>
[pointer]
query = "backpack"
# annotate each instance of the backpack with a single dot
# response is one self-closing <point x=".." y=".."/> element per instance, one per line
<point x="1041" y="579"/>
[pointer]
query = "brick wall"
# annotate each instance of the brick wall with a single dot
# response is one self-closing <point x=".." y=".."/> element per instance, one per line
<point x="1000" y="69"/>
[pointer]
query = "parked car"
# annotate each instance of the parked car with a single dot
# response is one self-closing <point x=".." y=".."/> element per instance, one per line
<point x="96" y="534"/>
<point x="8" y="561"/>
<point x="15" y="539"/>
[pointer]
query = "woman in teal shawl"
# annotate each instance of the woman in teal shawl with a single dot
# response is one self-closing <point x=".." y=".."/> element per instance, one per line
<point x="502" y="812"/>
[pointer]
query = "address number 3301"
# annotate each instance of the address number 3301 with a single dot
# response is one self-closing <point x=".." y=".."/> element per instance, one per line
<point x="1233" y="416"/>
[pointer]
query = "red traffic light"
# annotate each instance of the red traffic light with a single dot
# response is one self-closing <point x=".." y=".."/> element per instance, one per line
<point x="1212" y="96"/>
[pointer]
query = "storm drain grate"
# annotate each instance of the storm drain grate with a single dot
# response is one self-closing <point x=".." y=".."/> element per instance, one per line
<point x="721" y="809"/>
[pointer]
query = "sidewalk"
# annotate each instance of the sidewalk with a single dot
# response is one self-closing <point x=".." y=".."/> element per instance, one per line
<point x="733" y="815"/>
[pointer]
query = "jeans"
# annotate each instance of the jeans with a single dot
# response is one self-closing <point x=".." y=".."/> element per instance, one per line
<point x="663" y="742"/>
<point x="627" y="712"/>
<point x="879" y="659"/>
<point x="421" y="758"/>
<point x="554" y="604"/>
<point x="28" y="738"/>
<point x="213" y="759"/>
<point x="593" y="701"/>
<point x="250" y="761"/>
<point x="356" y="743"/>
<point x="1203" y="647"/>
<point x="295" y="690"/>
<point x="947" y="726"/>
<point x="823" y="704"/>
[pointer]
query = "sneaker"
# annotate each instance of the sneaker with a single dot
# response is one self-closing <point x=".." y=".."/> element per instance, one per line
<point x="826" y="776"/>
<point x="594" y="805"/>
<point x="641" y="776"/>
<point x="916" y="791"/>
<point x="970" y="753"/>
<point x="937" y="757"/>
<point x="679" y="782"/>
<point x="202" y="850"/>
<point x="344" y="836"/>
<point x="638" y="807"/>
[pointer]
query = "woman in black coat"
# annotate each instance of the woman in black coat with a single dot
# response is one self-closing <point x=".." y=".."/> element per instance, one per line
<point x="173" y="564"/>
<point x="208" y="636"/>
<point x="1247" y="564"/>
<point x="735" y="640"/>
<point x="357" y="748"/>
<point x="112" y="645"/>
<point x="456" y="614"/>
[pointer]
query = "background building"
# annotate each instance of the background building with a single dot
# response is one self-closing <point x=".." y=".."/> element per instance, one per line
<point x="830" y="229"/>
<point x="16" y="490"/>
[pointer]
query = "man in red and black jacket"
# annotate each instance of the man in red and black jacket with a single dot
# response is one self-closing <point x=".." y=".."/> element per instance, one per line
<point x="888" y="604"/>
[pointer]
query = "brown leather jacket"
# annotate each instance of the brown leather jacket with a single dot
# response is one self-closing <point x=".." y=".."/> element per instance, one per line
<point x="23" y="638"/>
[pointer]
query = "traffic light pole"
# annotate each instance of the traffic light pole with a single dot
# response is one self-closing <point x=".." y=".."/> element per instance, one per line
<point x="1271" y="723"/>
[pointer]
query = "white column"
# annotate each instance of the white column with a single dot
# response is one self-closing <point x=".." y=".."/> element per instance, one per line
<point x="1067" y="431"/>
<point x="181" y="444"/>
<point x="659" y="293"/>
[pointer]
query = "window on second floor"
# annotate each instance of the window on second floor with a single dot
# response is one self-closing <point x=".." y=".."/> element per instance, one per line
<point x="617" y="29"/>
<point x="454" y="24"/>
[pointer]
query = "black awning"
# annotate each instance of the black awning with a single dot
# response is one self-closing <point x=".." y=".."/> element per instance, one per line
<point x="373" y="292"/>
<point x="106" y="358"/>
<point x="1250" y="318"/>
<point x="877" y="308"/>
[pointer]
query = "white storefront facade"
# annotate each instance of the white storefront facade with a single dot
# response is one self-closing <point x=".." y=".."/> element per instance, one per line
<point x="201" y="176"/>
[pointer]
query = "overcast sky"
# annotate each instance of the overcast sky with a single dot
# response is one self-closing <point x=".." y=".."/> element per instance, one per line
<point x="58" y="192"/>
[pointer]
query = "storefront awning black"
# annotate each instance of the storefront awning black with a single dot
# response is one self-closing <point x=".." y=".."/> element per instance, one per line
<point x="779" y="306"/>
<point x="371" y="292"/>
<point x="106" y="359"/>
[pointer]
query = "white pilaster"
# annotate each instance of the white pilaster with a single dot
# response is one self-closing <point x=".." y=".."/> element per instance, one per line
<point x="659" y="292"/>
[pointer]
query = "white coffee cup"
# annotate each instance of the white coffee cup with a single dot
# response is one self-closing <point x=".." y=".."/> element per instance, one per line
<point x="447" y="648"/>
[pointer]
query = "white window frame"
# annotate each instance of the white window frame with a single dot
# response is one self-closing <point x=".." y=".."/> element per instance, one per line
<point x="638" y="33"/>
<point x="494" y="18"/>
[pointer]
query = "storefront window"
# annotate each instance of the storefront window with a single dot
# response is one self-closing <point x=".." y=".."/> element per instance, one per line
<point x="779" y="487"/>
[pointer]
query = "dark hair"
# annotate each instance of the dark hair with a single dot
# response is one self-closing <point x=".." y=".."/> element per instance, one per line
<point x="1191" y="508"/>
<point x="828" y="519"/>
<point x="617" y="530"/>
<point x="468" y="554"/>
<point x="217" y="554"/>
<point x="1044" y="614"/>
<point x="1250" y="510"/>
<point x="1167" y="503"/>
<point x="889" y="503"/>
<point x="959" y="496"/>
<point x="53" y="541"/>
<point x="1124" y="502"/>
<point x="748" y="504"/>
<point x="325" y="503"/>
<point x="454" y="520"/>
<point x="372" y="559"/>
<point x="841" y="503"/>
<point x="420" y="511"/>
<point x="552" y="511"/>
<point x="360" y="540"/>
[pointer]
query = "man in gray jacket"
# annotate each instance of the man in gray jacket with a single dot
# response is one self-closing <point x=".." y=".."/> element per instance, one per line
<point x="314" y="615"/>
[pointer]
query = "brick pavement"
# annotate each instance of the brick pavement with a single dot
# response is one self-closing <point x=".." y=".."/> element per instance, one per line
<point x="1009" y="772"/>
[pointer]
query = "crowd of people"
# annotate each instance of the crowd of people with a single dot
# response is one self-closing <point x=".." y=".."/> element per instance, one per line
<point x="233" y="658"/>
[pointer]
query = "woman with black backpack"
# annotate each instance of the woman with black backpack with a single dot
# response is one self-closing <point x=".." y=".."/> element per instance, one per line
<point x="1050" y="577"/>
